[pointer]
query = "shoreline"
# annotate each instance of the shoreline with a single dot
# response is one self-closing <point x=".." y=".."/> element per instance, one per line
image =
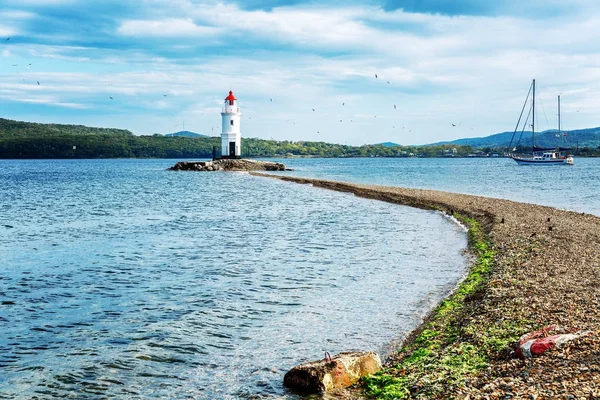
<point x="543" y="268"/>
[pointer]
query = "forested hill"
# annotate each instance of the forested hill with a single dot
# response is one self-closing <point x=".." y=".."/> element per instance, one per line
<point x="23" y="140"/>
<point x="589" y="137"/>
<point x="12" y="128"/>
<point x="34" y="140"/>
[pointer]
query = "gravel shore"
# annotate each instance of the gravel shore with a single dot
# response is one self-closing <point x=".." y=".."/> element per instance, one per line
<point x="546" y="271"/>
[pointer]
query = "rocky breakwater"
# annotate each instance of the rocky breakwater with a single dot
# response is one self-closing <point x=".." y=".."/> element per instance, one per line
<point x="229" y="165"/>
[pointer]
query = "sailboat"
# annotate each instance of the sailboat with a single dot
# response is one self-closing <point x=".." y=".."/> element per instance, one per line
<point x="540" y="155"/>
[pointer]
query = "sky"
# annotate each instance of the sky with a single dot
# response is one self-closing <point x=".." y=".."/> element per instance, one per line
<point x="351" y="72"/>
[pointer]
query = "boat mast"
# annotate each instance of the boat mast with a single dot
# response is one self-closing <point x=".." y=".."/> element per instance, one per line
<point x="559" y="113"/>
<point x="533" y="119"/>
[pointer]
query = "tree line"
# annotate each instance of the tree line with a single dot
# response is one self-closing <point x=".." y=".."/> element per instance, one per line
<point x="23" y="140"/>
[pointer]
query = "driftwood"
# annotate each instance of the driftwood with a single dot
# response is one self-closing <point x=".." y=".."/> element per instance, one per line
<point x="332" y="373"/>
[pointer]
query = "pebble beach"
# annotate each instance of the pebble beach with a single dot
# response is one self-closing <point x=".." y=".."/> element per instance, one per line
<point x="546" y="271"/>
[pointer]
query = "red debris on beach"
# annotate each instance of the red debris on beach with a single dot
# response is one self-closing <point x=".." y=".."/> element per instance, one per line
<point x="538" y="342"/>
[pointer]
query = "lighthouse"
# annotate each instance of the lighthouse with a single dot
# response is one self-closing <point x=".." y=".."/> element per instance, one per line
<point x="231" y="138"/>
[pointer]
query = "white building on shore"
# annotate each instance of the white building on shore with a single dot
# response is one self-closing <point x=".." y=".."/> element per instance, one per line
<point x="231" y="137"/>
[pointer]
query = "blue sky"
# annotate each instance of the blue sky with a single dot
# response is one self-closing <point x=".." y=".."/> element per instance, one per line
<point x="166" y="63"/>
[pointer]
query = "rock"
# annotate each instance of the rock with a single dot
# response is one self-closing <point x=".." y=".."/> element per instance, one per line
<point x="328" y="374"/>
<point x="229" y="165"/>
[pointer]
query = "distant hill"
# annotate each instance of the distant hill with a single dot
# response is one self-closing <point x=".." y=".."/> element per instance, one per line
<point x="388" y="144"/>
<point x="10" y="128"/>
<point x="589" y="137"/>
<point x="28" y="140"/>
<point x="186" y="134"/>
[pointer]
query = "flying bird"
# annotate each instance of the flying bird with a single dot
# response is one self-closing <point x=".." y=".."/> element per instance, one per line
<point x="340" y="120"/>
<point x="38" y="82"/>
<point x="7" y="39"/>
<point x="111" y="98"/>
<point x="164" y="95"/>
<point x="394" y="106"/>
<point x="343" y="104"/>
<point x="14" y="65"/>
<point x="271" y="99"/>
<point x="375" y="76"/>
<point x="388" y="82"/>
<point x="453" y="125"/>
<point x="313" y="109"/>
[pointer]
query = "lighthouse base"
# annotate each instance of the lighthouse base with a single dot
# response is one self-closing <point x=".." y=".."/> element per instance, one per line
<point x="228" y="158"/>
<point x="229" y="165"/>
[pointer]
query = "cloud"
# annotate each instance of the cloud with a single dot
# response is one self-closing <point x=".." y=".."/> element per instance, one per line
<point x="524" y="8"/>
<point x="169" y="28"/>
<point x="441" y="66"/>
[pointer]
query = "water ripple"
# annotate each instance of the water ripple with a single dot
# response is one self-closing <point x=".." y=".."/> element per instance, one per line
<point x="122" y="280"/>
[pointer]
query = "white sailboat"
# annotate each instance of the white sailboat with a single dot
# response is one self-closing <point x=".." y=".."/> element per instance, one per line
<point x="539" y="155"/>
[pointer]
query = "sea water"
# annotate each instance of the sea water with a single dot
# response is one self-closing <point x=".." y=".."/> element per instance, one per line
<point x="575" y="187"/>
<point x="122" y="280"/>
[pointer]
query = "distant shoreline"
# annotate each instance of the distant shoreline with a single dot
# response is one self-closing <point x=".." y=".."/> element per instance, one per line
<point x="543" y="268"/>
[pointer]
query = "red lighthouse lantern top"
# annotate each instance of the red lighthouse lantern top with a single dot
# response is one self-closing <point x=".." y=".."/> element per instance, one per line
<point x="230" y="98"/>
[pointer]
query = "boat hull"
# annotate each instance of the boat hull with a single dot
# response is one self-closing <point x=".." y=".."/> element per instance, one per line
<point x="531" y="161"/>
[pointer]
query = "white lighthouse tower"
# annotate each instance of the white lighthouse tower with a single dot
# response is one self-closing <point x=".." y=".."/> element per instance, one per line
<point x="231" y="138"/>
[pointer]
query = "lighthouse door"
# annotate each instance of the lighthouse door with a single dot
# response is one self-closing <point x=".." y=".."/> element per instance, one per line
<point x="231" y="149"/>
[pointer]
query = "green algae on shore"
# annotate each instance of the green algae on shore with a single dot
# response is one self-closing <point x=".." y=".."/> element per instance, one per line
<point x="433" y="357"/>
<point x="536" y="266"/>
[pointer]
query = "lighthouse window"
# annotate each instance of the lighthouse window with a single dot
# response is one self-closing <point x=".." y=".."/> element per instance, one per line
<point x="231" y="122"/>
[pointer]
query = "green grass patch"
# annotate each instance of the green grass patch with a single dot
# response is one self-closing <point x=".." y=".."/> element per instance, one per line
<point x="451" y="346"/>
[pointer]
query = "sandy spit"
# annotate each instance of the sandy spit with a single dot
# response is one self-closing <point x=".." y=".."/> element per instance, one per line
<point x="547" y="272"/>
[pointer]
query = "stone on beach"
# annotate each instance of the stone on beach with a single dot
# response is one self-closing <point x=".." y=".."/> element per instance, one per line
<point x="333" y="373"/>
<point x="228" y="165"/>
